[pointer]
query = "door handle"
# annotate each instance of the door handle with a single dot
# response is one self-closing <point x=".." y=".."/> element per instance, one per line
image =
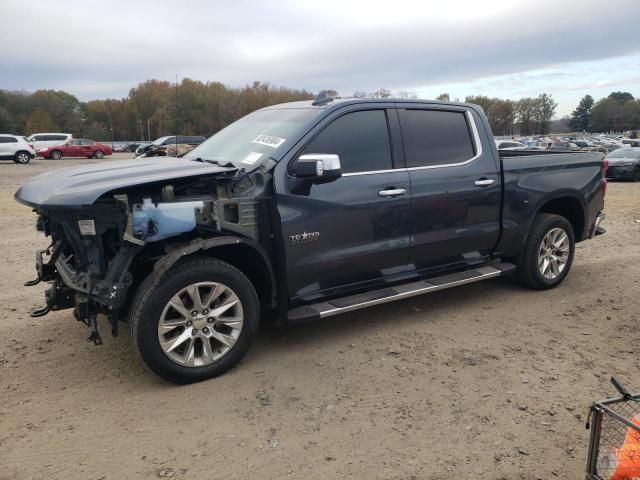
<point x="394" y="192"/>
<point x="484" y="182"/>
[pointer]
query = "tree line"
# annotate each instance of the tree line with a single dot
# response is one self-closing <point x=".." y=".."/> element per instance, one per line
<point x="155" y="108"/>
<point x="618" y="112"/>
<point x="527" y="116"/>
<point x="152" y="109"/>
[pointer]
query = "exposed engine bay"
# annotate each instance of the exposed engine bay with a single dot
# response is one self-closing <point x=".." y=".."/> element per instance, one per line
<point x="99" y="253"/>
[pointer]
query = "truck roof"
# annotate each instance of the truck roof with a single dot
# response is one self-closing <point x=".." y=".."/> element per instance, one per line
<point x="338" y="102"/>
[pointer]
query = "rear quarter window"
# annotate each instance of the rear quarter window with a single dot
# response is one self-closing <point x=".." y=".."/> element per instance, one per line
<point x="435" y="137"/>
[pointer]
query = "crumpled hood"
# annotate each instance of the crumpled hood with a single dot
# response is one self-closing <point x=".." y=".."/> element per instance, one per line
<point x="81" y="186"/>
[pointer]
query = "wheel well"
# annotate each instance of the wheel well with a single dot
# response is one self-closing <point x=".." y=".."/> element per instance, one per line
<point x="252" y="264"/>
<point x="569" y="208"/>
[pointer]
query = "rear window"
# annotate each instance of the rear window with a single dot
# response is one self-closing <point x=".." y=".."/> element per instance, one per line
<point x="435" y="137"/>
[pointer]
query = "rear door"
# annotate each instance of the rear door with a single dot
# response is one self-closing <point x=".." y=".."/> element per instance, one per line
<point x="455" y="186"/>
<point x="347" y="234"/>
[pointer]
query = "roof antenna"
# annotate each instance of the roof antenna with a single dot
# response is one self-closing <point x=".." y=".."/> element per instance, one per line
<point x="322" y="98"/>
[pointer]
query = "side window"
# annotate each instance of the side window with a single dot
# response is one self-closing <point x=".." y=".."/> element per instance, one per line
<point x="39" y="138"/>
<point x="435" y="137"/>
<point x="361" y="139"/>
<point x="4" y="139"/>
<point x="169" y="141"/>
<point x="11" y="140"/>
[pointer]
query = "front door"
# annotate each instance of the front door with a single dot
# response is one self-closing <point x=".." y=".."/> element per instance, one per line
<point x="347" y="233"/>
<point x="455" y="187"/>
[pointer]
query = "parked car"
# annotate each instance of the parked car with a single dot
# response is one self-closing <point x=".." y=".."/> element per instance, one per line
<point x="76" y="148"/>
<point x="42" y="140"/>
<point x="170" y="140"/>
<point x="624" y="163"/>
<point x="132" y="147"/>
<point x="564" y="146"/>
<point x="168" y="151"/>
<point x="303" y="211"/>
<point x="16" y="148"/>
<point x="119" y="147"/>
<point x="510" y="145"/>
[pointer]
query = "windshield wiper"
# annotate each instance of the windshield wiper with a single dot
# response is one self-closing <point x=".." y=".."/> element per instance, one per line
<point x="215" y="162"/>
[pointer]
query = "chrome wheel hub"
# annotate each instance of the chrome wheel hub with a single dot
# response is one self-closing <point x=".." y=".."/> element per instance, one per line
<point x="553" y="253"/>
<point x="200" y="324"/>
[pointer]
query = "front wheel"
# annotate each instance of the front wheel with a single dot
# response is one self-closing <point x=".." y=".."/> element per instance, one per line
<point x="56" y="155"/>
<point x="196" y="321"/>
<point x="546" y="258"/>
<point x="99" y="154"/>
<point x="22" y="157"/>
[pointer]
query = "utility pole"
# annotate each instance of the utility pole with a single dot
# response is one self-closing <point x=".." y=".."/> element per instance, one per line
<point x="141" y="130"/>
<point x="148" y="130"/>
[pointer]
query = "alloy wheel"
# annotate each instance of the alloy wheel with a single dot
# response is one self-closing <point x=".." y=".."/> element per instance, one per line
<point x="200" y="324"/>
<point x="553" y="253"/>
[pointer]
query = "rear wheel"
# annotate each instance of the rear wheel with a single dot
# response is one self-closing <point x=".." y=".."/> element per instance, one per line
<point x="56" y="155"/>
<point x="196" y="321"/>
<point x="98" y="154"/>
<point x="546" y="258"/>
<point x="22" y="157"/>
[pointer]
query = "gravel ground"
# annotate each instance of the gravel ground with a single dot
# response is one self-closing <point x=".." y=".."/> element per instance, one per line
<point x="487" y="380"/>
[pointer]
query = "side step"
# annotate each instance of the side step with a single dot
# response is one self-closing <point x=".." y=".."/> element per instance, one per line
<point x="376" y="297"/>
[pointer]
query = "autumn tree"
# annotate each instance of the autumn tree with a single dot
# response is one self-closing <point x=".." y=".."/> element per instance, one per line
<point x="40" y="121"/>
<point x="443" y="97"/>
<point x="544" y="110"/>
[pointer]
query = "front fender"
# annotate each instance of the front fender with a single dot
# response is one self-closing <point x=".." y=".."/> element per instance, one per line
<point x="175" y="251"/>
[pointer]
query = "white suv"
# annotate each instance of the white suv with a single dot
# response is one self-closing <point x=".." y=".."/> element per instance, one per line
<point x="13" y="147"/>
<point x="44" y="140"/>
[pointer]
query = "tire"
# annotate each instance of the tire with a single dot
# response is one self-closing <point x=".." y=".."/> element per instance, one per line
<point x="56" y="155"/>
<point x="538" y="252"/>
<point x="636" y="174"/>
<point x="22" y="157"/>
<point x="99" y="154"/>
<point x="151" y="319"/>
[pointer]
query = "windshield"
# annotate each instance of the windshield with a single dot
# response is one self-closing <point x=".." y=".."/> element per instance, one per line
<point x="159" y="141"/>
<point x="625" y="153"/>
<point x="254" y="138"/>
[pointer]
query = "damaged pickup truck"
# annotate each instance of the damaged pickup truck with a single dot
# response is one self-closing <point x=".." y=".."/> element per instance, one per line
<point x="302" y="211"/>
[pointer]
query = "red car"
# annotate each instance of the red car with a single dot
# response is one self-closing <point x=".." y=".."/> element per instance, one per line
<point x="76" y="148"/>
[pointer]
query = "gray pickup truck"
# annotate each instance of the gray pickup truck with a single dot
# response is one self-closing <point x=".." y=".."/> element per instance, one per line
<point x="302" y="211"/>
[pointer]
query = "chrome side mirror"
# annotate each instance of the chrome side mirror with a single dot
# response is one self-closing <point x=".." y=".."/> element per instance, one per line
<point x="319" y="167"/>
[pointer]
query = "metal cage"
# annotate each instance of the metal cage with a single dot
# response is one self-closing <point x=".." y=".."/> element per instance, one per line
<point x="614" y="446"/>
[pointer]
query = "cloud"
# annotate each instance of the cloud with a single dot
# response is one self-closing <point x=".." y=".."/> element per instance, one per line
<point x="102" y="48"/>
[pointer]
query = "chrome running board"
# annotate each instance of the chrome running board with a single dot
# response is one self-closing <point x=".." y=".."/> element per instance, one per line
<point x="397" y="292"/>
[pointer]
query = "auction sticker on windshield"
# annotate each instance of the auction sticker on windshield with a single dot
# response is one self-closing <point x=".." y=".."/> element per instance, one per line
<point x="269" y="141"/>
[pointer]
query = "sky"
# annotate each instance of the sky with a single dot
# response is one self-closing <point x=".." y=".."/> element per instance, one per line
<point x="508" y="49"/>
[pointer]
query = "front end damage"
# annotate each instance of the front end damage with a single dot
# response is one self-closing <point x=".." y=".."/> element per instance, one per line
<point x="99" y="253"/>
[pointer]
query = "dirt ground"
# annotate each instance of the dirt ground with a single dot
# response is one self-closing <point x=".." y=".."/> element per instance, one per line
<point x="488" y="380"/>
